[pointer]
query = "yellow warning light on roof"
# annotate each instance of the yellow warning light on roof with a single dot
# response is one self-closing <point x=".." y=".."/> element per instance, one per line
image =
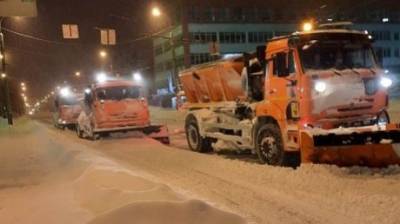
<point x="307" y="27"/>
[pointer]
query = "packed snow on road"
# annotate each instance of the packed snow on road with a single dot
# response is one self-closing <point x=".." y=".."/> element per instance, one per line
<point x="51" y="176"/>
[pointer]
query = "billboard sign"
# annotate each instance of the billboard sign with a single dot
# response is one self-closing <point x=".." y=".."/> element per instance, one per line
<point x="108" y="37"/>
<point x="9" y="8"/>
<point x="70" y="31"/>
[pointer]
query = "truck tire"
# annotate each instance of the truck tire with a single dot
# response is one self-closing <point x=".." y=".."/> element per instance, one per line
<point x="92" y="135"/>
<point x="195" y="141"/>
<point x="79" y="132"/>
<point x="269" y="145"/>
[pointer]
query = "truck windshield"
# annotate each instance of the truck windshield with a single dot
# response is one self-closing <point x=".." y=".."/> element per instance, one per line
<point x="70" y="101"/>
<point x="118" y="93"/>
<point x="336" y="54"/>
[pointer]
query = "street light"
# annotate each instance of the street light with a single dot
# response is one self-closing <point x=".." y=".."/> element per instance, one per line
<point x="307" y="27"/>
<point x="77" y="74"/>
<point x="137" y="77"/>
<point x="156" y="12"/>
<point x="103" y="54"/>
<point x="1" y="56"/>
<point x="3" y="75"/>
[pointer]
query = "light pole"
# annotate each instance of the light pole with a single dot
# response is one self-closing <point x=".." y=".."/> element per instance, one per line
<point x="156" y="13"/>
<point x="4" y="77"/>
<point x="104" y="55"/>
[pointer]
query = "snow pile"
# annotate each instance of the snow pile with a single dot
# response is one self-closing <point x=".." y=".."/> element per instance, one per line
<point x="47" y="178"/>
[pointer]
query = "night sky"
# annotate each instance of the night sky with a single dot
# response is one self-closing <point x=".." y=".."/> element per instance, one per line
<point x="44" y="65"/>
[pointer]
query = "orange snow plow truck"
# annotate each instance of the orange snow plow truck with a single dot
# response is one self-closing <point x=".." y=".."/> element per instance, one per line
<point x="66" y="108"/>
<point x="310" y="97"/>
<point x="117" y="106"/>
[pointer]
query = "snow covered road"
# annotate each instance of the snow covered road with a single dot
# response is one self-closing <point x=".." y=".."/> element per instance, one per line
<point x="238" y="184"/>
<point x="48" y="177"/>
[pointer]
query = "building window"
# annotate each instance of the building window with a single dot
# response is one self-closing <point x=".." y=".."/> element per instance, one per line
<point x="397" y="52"/>
<point x="259" y="37"/>
<point x="200" y="58"/>
<point x="281" y="33"/>
<point x="237" y="14"/>
<point x="232" y="37"/>
<point x="396" y="36"/>
<point x="203" y="37"/>
<point x="195" y="14"/>
<point x="381" y="35"/>
<point x="387" y="53"/>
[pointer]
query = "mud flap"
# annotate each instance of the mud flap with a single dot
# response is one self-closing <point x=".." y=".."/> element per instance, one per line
<point x="370" y="148"/>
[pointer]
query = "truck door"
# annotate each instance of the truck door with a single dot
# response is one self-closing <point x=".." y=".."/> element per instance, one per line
<point x="281" y="81"/>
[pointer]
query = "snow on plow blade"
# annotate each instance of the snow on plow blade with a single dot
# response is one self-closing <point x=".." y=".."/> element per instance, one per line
<point x="374" y="146"/>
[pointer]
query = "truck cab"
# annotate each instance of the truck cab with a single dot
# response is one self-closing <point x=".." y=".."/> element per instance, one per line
<point x="66" y="108"/>
<point x="116" y="106"/>
<point x="325" y="79"/>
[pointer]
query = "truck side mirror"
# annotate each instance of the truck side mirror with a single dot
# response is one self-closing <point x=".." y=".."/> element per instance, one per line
<point x="281" y="68"/>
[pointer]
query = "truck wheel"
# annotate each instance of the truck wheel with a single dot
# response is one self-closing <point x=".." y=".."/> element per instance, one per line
<point x="269" y="145"/>
<point x="92" y="135"/>
<point x="195" y="141"/>
<point x="79" y="132"/>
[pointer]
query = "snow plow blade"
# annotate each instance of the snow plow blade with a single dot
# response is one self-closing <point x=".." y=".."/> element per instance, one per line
<point x="374" y="146"/>
<point x="158" y="132"/>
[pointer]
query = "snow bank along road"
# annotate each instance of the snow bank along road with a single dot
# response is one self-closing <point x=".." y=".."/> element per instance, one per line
<point x="46" y="177"/>
<point x="260" y="194"/>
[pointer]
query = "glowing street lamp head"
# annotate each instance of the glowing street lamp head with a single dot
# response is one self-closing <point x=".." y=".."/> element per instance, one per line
<point x="77" y="74"/>
<point x="101" y="77"/>
<point x="137" y="77"/>
<point x="156" y="12"/>
<point x="103" y="54"/>
<point x="3" y="75"/>
<point x="307" y="27"/>
<point x="1" y="56"/>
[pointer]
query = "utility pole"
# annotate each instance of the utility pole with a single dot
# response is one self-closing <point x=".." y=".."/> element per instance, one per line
<point x="4" y="76"/>
<point x="174" y="68"/>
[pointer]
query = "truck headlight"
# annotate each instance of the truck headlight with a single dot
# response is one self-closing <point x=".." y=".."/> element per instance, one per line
<point x="65" y="92"/>
<point x="386" y="82"/>
<point x="320" y="86"/>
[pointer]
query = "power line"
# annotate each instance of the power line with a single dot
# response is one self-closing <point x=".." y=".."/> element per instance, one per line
<point x="28" y="36"/>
